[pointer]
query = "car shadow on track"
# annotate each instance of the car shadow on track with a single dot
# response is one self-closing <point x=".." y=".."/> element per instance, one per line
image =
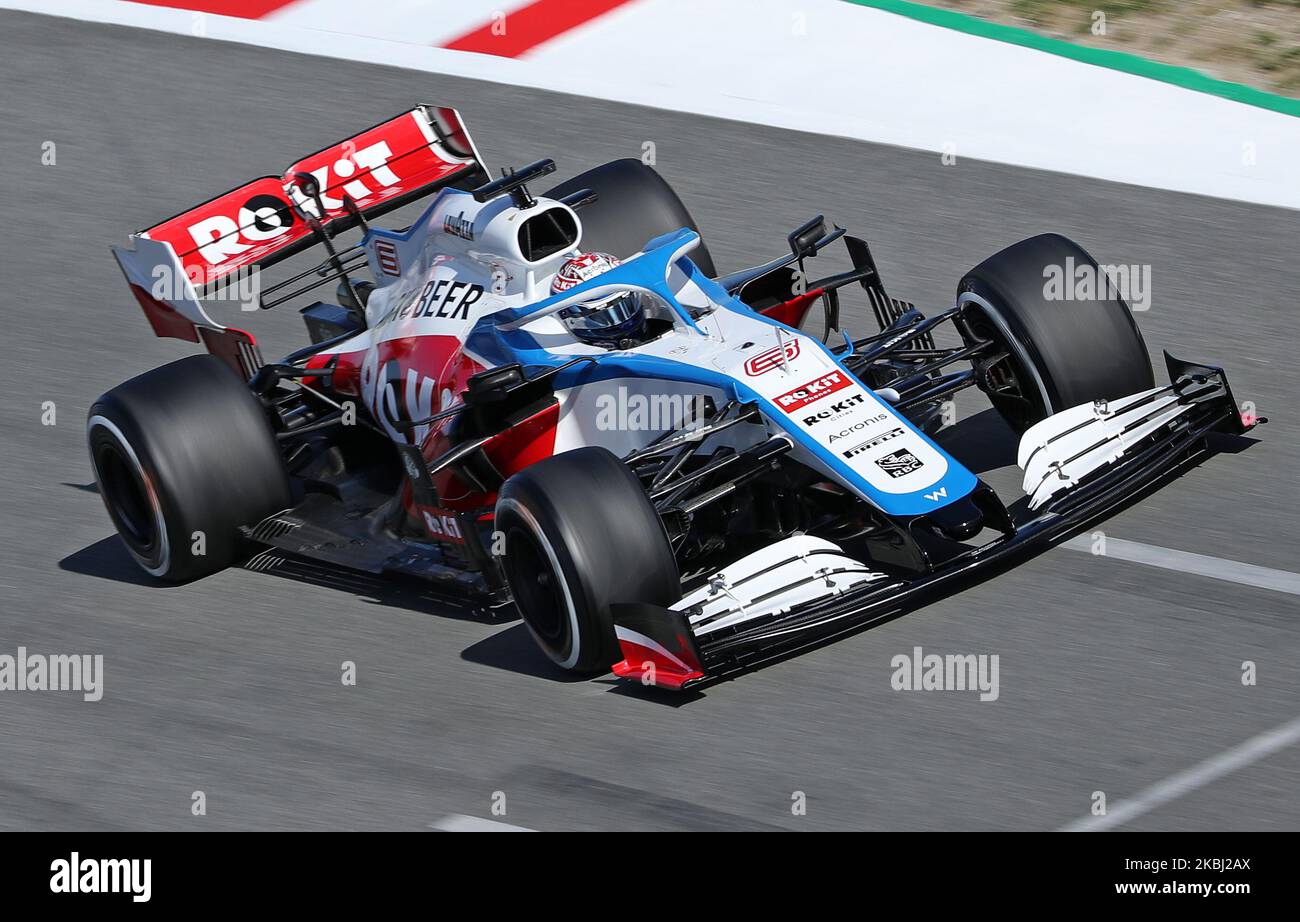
<point x="514" y="650"/>
<point x="511" y="649"/>
<point x="982" y="443"/>
<point x="109" y="559"/>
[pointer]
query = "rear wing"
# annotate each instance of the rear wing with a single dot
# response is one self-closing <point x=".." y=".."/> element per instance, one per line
<point x="380" y="169"/>
<point x="174" y="263"/>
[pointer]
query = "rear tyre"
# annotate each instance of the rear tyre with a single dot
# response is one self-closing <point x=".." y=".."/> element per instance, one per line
<point x="581" y="534"/>
<point x="633" y="205"/>
<point x="183" y="456"/>
<point x="1061" y="352"/>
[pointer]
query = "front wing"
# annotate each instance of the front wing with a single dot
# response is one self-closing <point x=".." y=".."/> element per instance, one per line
<point x="1081" y="465"/>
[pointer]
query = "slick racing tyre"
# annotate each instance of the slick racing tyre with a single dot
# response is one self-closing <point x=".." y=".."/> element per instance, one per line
<point x="1063" y="351"/>
<point x="183" y="456"/>
<point x="633" y="206"/>
<point x="580" y="533"/>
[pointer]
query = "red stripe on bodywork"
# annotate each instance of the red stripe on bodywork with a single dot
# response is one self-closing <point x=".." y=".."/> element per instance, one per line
<point x="511" y="450"/>
<point x="793" y="312"/>
<point x="529" y="26"/>
<point x="244" y="9"/>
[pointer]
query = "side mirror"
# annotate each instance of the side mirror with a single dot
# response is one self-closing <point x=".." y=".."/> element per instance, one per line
<point x="803" y="239"/>
<point x="492" y="385"/>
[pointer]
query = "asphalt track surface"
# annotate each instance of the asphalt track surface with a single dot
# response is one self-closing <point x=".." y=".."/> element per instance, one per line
<point x="1113" y="675"/>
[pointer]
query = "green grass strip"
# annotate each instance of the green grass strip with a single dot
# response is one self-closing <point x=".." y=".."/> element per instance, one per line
<point x="1100" y="57"/>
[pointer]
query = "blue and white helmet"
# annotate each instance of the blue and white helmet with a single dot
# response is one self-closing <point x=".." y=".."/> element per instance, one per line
<point x="607" y="320"/>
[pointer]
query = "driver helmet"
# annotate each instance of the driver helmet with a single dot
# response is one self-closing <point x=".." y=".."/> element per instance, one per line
<point x="607" y="320"/>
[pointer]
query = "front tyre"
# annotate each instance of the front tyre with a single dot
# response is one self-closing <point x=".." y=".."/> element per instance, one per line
<point x="183" y="456"/>
<point x="580" y="534"/>
<point x="1062" y="351"/>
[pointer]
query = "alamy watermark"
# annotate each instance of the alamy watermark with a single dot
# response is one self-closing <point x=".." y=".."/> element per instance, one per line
<point x="1083" y="281"/>
<point x="75" y="672"/>
<point x="923" y="671"/>
<point x="75" y="874"/>
<point x="242" y="286"/>
<point x="624" y="411"/>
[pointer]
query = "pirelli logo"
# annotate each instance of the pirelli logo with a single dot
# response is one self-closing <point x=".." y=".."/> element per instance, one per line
<point x="872" y="443"/>
<point x="386" y="257"/>
<point x="804" y="394"/>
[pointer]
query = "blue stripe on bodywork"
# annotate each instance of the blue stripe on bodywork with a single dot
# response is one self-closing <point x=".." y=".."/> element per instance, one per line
<point x="500" y="347"/>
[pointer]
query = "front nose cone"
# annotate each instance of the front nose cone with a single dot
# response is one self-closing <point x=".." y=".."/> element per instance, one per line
<point x="958" y="520"/>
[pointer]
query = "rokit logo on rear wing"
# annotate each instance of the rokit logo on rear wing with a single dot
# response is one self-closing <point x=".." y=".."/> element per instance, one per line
<point x="406" y="156"/>
<point x="266" y="214"/>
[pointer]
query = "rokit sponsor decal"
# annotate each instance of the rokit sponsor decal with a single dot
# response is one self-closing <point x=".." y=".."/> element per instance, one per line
<point x="228" y="227"/>
<point x="799" y="397"/>
<point x="872" y="440"/>
<point x="899" y="463"/>
<point x="442" y="524"/>
<point x="772" y="358"/>
<point x="836" y="410"/>
<point x="872" y="443"/>
<point x="267" y="214"/>
<point x="248" y="224"/>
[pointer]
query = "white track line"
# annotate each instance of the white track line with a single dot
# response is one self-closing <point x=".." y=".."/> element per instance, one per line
<point x="1232" y="571"/>
<point x="459" y="822"/>
<point x="1161" y="793"/>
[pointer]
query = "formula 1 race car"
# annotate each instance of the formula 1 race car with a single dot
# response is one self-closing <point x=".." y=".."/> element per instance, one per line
<point x="554" y="401"/>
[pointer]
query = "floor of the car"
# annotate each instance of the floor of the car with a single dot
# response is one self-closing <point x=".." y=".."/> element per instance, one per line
<point x="323" y="528"/>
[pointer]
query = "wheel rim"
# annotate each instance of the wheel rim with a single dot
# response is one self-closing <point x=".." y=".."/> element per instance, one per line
<point x="1013" y="389"/>
<point x="129" y="496"/>
<point x="1006" y="390"/>
<point x="536" y="588"/>
<point x="126" y="496"/>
